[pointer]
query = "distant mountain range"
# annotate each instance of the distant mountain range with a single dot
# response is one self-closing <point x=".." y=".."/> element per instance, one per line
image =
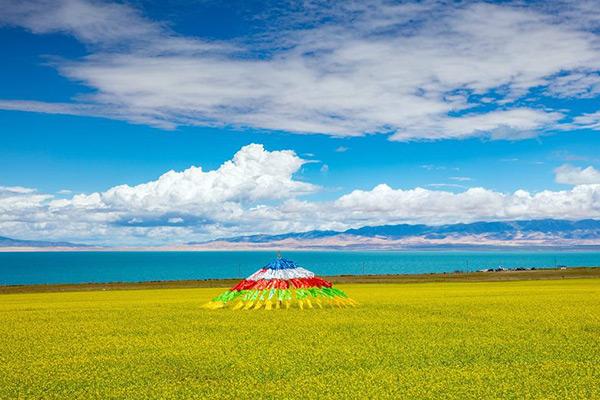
<point x="8" y="242"/>
<point x="528" y="233"/>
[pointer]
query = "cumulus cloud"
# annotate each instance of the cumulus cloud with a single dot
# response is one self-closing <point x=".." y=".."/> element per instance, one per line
<point x="191" y="197"/>
<point x="256" y="192"/>
<point x="572" y="175"/>
<point x="194" y="196"/>
<point x="413" y="70"/>
<point x="383" y="203"/>
<point x="253" y="174"/>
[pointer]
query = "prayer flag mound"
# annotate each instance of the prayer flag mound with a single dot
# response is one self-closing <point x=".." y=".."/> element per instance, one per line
<point x="281" y="284"/>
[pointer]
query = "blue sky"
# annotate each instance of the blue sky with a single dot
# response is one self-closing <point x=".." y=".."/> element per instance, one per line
<point x="370" y="113"/>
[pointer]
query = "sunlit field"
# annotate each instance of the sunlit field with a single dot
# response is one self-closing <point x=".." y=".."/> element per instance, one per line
<point x="527" y="339"/>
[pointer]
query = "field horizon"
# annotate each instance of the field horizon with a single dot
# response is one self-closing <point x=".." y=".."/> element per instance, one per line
<point x="457" y="276"/>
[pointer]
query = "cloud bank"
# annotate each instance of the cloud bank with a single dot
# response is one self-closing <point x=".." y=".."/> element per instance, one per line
<point x="256" y="192"/>
<point x="413" y="71"/>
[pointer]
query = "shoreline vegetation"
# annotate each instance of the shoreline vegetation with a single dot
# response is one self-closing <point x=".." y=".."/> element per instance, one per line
<point x="458" y="276"/>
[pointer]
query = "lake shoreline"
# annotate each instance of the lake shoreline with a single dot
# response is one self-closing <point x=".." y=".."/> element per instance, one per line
<point x="495" y="276"/>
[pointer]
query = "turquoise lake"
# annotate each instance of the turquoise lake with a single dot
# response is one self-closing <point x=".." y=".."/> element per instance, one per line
<point x="78" y="267"/>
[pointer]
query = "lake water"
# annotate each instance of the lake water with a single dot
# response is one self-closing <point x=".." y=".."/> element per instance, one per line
<point x="78" y="267"/>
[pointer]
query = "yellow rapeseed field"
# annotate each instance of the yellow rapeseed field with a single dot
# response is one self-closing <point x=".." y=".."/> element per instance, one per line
<point x="530" y="339"/>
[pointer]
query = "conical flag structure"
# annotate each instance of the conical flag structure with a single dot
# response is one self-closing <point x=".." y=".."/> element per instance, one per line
<point x="281" y="284"/>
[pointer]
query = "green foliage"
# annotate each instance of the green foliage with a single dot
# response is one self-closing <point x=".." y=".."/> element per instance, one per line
<point x="534" y="339"/>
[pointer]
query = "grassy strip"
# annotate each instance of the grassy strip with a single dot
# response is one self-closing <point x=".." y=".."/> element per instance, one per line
<point x="539" y="274"/>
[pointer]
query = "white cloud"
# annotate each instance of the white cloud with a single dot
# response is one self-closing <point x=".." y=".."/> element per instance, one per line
<point x="586" y="121"/>
<point x="20" y="201"/>
<point x="576" y="85"/>
<point x="253" y="174"/>
<point x="8" y="190"/>
<point x="341" y="149"/>
<point x="446" y="185"/>
<point x="375" y="72"/>
<point x="255" y="192"/>
<point x="383" y="204"/>
<point x="461" y="178"/>
<point x="92" y="22"/>
<point x="571" y="175"/>
<point x="78" y="109"/>
<point x="511" y="124"/>
<point x="193" y="197"/>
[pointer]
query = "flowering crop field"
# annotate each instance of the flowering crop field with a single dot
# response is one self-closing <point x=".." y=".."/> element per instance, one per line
<point x="527" y="339"/>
